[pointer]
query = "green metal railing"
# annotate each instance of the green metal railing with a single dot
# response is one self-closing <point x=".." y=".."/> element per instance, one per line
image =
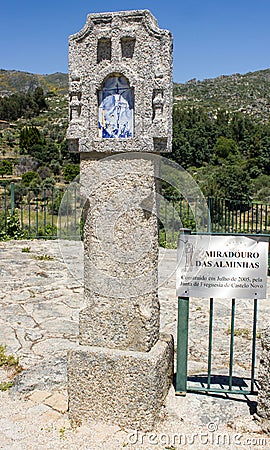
<point x="214" y="215"/>
<point x="233" y="216"/>
<point x="38" y="211"/>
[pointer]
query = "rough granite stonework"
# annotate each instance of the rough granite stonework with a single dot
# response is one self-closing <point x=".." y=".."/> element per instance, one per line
<point x="120" y="111"/>
<point x="121" y="254"/>
<point x="120" y="387"/>
<point x="263" y="408"/>
<point x="130" y="44"/>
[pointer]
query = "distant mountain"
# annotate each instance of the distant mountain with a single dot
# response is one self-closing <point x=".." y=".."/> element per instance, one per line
<point x="249" y="93"/>
<point x="13" y="81"/>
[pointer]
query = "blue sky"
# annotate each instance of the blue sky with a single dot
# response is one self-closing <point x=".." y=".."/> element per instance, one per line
<point x="211" y="37"/>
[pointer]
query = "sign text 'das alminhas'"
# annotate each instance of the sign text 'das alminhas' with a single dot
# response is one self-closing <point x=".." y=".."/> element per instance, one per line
<point x="222" y="266"/>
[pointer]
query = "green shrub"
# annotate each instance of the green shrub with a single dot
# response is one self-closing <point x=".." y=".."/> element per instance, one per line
<point x="13" y="229"/>
<point x="49" y="231"/>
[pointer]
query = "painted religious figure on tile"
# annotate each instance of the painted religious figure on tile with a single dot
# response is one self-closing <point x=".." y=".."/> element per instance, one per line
<point x="116" y="108"/>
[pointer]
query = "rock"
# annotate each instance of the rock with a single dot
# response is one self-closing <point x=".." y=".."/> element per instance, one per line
<point x="263" y="408"/>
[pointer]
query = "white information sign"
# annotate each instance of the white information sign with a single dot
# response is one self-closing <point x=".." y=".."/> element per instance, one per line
<point x="222" y="266"/>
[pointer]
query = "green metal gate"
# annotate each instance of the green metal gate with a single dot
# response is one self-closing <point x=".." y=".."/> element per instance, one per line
<point x="182" y="386"/>
<point x="206" y="381"/>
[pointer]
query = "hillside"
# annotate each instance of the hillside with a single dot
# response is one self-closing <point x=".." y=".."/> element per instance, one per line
<point x="221" y="132"/>
<point x="13" y="81"/>
<point x="248" y="93"/>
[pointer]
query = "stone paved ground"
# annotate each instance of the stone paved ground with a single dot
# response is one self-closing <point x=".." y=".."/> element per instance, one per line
<point x="40" y="302"/>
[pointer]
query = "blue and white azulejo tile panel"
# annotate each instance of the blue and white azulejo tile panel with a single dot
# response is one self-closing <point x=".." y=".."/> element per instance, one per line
<point x="116" y="108"/>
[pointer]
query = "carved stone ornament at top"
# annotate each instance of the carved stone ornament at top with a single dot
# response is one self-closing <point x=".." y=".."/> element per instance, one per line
<point x="113" y="117"/>
<point x="75" y="97"/>
<point x="158" y="103"/>
<point x="159" y="73"/>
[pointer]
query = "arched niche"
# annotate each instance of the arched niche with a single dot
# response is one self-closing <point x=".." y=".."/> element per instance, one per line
<point x="116" y="108"/>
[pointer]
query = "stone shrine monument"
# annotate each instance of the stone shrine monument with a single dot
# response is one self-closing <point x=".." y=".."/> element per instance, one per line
<point x="120" y="67"/>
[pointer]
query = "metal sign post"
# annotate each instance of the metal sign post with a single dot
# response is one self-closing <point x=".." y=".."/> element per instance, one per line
<point x="182" y="337"/>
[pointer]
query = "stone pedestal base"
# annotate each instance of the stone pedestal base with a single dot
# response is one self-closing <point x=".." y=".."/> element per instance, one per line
<point x="124" y="388"/>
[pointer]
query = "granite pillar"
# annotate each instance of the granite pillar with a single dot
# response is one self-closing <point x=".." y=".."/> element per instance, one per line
<point x="120" y="68"/>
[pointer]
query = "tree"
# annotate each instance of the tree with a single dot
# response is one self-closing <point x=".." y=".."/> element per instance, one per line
<point x="225" y="147"/>
<point x="44" y="153"/>
<point x="262" y="188"/>
<point x="241" y="126"/>
<point x="228" y="180"/>
<point x="39" y="98"/>
<point x="22" y="105"/>
<point x="6" y="168"/>
<point x="234" y="182"/>
<point x="48" y="183"/>
<point x="55" y="166"/>
<point x="29" y="177"/>
<point x="194" y="135"/>
<point x="71" y="171"/>
<point x="30" y="136"/>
